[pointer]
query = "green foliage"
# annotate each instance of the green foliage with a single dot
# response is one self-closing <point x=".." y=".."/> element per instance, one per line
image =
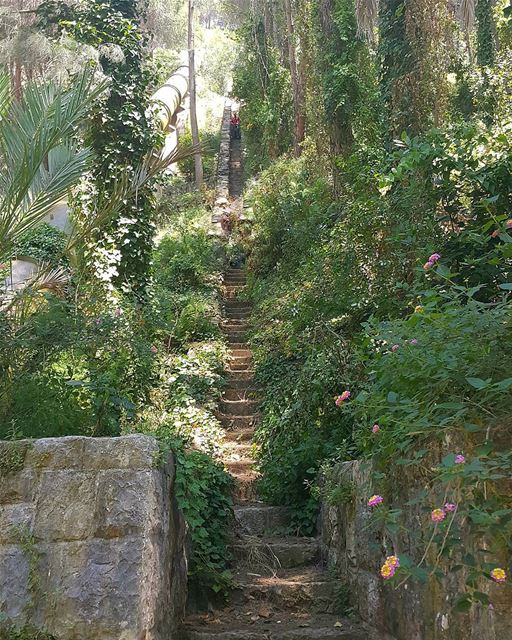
<point x="211" y="143"/>
<point x="121" y="135"/>
<point x="9" y="631"/>
<point x="265" y="87"/>
<point x="486" y="32"/>
<point x="44" y="243"/>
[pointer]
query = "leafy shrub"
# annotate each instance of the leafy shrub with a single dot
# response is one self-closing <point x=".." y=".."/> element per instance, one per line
<point x="211" y="145"/>
<point x="44" y="243"/>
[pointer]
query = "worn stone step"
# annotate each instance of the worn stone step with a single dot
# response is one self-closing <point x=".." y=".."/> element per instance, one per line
<point x="231" y="291"/>
<point x="258" y="519"/>
<point x="246" y="487"/>
<point x="240" y="353"/>
<point x="309" y="589"/>
<point x="234" y="376"/>
<point x="240" y="359"/>
<point x="239" y="435"/>
<point x="239" y="366"/>
<point x="241" y="467"/>
<point x="233" y="450"/>
<point x="239" y="407"/>
<point x="235" y="336"/>
<point x="238" y="345"/>
<point x="266" y="630"/>
<point x="230" y="305"/>
<point x="236" y="422"/>
<point x="275" y="553"/>
<point x="247" y="392"/>
<point x="234" y="323"/>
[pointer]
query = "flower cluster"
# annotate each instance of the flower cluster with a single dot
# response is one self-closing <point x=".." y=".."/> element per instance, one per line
<point x="375" y="428"/>
<point x="460" y="459"/>
<point x="499" y="575"/>
<point x="438" y="515"/>
<point x="389" y="567"/>
<point x="375" y="500"/>
<point x="341" y="399"/>
<point x="431" y="261"/>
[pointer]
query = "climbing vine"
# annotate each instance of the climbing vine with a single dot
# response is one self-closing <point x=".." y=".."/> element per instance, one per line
<point x="121" y="134"/>
<point x="486" y="32"/>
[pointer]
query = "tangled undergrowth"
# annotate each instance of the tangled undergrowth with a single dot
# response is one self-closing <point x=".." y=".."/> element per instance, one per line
<point x="382" y="332"/>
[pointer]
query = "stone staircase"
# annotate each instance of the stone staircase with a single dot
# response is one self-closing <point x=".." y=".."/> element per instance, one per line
<point x="282" y="590"/>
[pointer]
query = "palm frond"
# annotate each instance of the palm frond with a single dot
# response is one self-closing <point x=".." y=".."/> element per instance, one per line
<point x="39" y="159"/>
<point x="366" y="17"/>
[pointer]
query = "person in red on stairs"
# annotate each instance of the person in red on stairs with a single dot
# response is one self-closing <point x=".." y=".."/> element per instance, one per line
<point x="235" y="126"/>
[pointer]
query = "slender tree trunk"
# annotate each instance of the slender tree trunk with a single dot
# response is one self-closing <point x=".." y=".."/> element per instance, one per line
<point x="198" y="161"/>
<point x="299" y="129"/>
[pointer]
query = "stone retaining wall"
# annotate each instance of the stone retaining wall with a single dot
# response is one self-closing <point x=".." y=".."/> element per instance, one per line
<point x="222" y="184"/>
<point x="414" y="611"/>
<point x="91" y="541"/>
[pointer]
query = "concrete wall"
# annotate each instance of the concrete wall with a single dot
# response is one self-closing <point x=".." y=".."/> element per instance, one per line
<point x="413" y="611"/>
<point x="91" y="541"/>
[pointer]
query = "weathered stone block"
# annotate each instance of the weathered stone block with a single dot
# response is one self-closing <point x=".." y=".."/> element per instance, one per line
<point x="65" y="506"/>
<point x="13" y="518"/>
<point x="104" y="558"/>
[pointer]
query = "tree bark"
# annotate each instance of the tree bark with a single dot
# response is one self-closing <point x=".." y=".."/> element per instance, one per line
<point x="198" y="161"/>
<point x="300" y="124"/>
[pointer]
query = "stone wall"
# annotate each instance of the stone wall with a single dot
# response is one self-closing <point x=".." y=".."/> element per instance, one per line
<point x="222" y="182"/>
<point x="413" y="611"/>
<point x="91" y="541"/>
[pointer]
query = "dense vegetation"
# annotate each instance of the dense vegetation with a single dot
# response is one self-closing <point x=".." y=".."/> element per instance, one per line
<point x="381" y="265"/>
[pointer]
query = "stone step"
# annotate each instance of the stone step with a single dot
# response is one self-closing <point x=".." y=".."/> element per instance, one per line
<point x="237" y="422"/>
<point x="239" y="435"/>
<point x="258" y="519"/>
<point x="238" y="345"/>
<point x="274" y="630"/>
<point x="240" y="359"/>
<point x="231" y="291"/>
<point x="247" y="392"/>
<point x="235" y="336"/>
<point x="236" y="365"/>
<point x="234" y="376"/>
<point x="239" y="407"/>
<point x="309" y="589"/>
<point x="241" y="467"/>
<point x="240" y="353"/>
<point x="232" y="450"/>
<point x="276" y="553"/>
<point x="244" y="305"/>
<point x="234" y="323"/>
<point x="245" y="488"/>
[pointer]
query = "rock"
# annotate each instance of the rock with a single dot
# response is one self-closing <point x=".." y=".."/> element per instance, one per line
<point x="91" y="541"/>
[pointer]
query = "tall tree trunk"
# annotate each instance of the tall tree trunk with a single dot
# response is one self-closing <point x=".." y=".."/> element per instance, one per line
<point x="198" y="161"/>
<point x="298" y="107"/>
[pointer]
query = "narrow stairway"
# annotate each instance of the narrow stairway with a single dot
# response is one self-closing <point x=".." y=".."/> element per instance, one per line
<point x="283" y="591"/>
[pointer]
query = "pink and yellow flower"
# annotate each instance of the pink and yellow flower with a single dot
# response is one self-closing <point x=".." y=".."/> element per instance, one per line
<point x="438" y="515"/>
<point x="499" y="575"/>
<point x="375" y="500"/>
<point x="394" y="561"/>
<point x="342" y="398"/>
<point x="387" y="571"/>
<point x="375" y="428"/>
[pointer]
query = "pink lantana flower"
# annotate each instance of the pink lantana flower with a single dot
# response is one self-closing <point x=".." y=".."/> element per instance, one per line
<point x="428" y="265"/>
<point x="394" y="561"/>
<point x="375" y="428"/>
<point x="434" y="258"/>
<point x="438" y="515"/>
<point x="499" y="575"/>
<point x="154" y="349"/>
<point x="375" y="500"/>
<point x="414" y="342"/>
<point x="387" y="571"/>
<point x="341" y="399"/>
<point x="450" y="507"/>
<point x="495" y="233"/>
<point x="395" y="347"/>
<point x="460" y="459"/>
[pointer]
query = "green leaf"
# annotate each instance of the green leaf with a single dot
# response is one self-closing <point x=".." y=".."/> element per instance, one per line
<point x="477" y="383"/>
